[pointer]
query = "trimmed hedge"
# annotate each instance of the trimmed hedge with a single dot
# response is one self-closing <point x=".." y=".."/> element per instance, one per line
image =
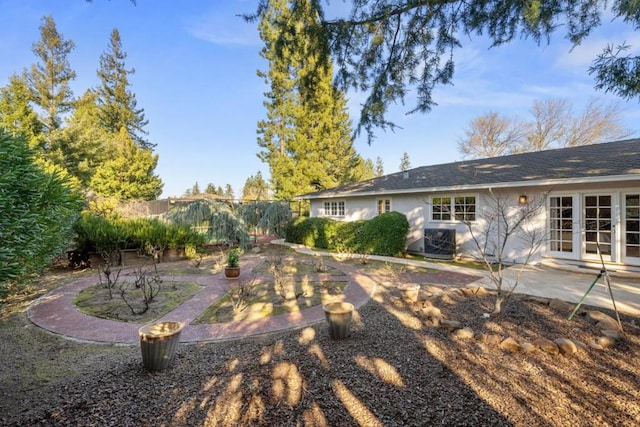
<point x="385" y="234"/>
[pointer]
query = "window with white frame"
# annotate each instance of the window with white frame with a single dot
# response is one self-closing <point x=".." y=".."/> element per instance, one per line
<point x="459" y="208"/>
<point x="384" y="206"/>
<point x="334" y="208"/>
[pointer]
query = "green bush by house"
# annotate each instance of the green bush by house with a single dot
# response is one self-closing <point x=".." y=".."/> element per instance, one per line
<point x="385" y="234"/>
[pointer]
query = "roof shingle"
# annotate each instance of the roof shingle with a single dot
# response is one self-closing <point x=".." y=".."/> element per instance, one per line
<point x="589" y="161"/>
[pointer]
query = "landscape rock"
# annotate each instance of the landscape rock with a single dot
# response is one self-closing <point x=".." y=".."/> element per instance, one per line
<point x="464" y="333"/>
<point x="527" y="347"/>
<point x="562" y="306"/>
<point x="510" y="344"/>
<point x="538" y="300"/>
<point x="474" y="291"/>
<point x="546" y="345"/>
<point x="489" y="339"/>
<point x="596" y="346"/>
<point x="446" y="299"/>
<point x="580" y="344"/>
<point x="566" y="346"/>
<point x="612" y="333"/>
<point x="429" y="312"/>
<point x="605" y="342"/>
<point x="450" y="324"/>
<point x="607" y="324"/>
<point x="598" y="316"/>
<point x="256" y="250"/>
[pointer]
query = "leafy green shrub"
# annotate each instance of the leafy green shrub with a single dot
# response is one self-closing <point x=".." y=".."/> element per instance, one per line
<point x="314" y="232"/>
<point x="39" y="205"/>
<point x="347" y="237"/>
<point x="100" y="234"/>
<point x="108" y="235"/>
<point x="383" y="235"/>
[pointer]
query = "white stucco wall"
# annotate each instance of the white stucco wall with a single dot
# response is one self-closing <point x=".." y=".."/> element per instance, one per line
<point x="417" y="208"/>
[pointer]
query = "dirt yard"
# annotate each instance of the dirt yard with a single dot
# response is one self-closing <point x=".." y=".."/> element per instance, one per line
<point x="396" y="369"/>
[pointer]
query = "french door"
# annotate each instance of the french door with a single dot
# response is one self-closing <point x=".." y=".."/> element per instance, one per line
<point x="598" y="226"/>
<point x="563" y="222"/>
<point x="631" y="231"/>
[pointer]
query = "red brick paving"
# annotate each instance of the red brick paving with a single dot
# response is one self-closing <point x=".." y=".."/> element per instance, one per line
<point x="56" y="312"/>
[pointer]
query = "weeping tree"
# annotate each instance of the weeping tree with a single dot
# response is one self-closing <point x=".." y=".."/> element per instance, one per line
<point x="269" y="217"/>
<point x="232" y="222"/>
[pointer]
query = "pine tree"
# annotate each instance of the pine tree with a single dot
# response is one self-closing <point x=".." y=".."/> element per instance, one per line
<point x="118" y="105"/>
<point x="306" y="138"/>
<point x="379" y="167"/>
<point x="195" y="190"/>
<point x="211" y="189"/>
<point x="49" y="79"/>
<point x="228" y="192"/>
<point x="84" y="143"/>
<point x="388" y="49"/>
<point x="405" y="164"/>
<point x="128" y="174"/>
<point x="255" y="188"/>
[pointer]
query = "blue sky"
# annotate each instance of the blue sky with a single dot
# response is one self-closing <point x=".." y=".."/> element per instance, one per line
<point x="196" y="64"/>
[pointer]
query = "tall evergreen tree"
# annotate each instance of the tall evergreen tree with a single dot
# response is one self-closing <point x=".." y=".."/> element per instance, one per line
<point x="391" y="48"/>
<point x="50" y="77"/>
<point x="306" y="138"/>
<point x="84" y="143"/>
<point x="117" y="104"/>
<point x="16" y="114"/>
<point x="379" y="167"/>
<point x="211" y="189"/>
<point x="228" y="192"/>
<point x="405" y="163"/>
<point x="255" y="188"/>
<point x="128" y="173"/>
<point x="195" y="189"/>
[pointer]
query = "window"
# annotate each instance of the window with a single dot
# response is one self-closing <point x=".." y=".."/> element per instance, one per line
<point x="441" y="209"/>
<point x="384" y="206"/>
<point x="334" y="208"/>
<point x="460" y="208"/>
<point x="465" y="208"/>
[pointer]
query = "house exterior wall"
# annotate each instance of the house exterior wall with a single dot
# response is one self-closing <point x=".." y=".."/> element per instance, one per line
<point x="419" y="209"/>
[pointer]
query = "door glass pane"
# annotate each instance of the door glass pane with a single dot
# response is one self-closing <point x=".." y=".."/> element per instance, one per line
<point x="561" y="224"/>
<point x="597" y="213"/>
<point x="632" y="226"/>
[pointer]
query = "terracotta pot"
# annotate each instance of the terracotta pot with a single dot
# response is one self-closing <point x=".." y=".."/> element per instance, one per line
<point x="158" y="343"/>
<point x="232" y="272"/>
<point x="409" y="291"/>
<point x="338" y="316"/>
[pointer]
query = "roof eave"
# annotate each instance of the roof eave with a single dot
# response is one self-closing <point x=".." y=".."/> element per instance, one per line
<point x="514" y="184"/>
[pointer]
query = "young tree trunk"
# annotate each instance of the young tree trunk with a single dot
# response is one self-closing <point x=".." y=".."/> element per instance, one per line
<point x="500" y="298"/>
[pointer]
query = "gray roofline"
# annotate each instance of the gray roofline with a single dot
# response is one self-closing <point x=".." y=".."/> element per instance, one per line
<point x="514" y="184"/>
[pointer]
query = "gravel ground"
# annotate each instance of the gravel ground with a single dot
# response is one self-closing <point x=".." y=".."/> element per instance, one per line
<point x="395" y="369"/>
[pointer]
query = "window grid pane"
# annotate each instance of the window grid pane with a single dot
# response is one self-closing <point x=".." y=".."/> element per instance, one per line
<point x="561" y="224"/>
<point x="462" y="207"/>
